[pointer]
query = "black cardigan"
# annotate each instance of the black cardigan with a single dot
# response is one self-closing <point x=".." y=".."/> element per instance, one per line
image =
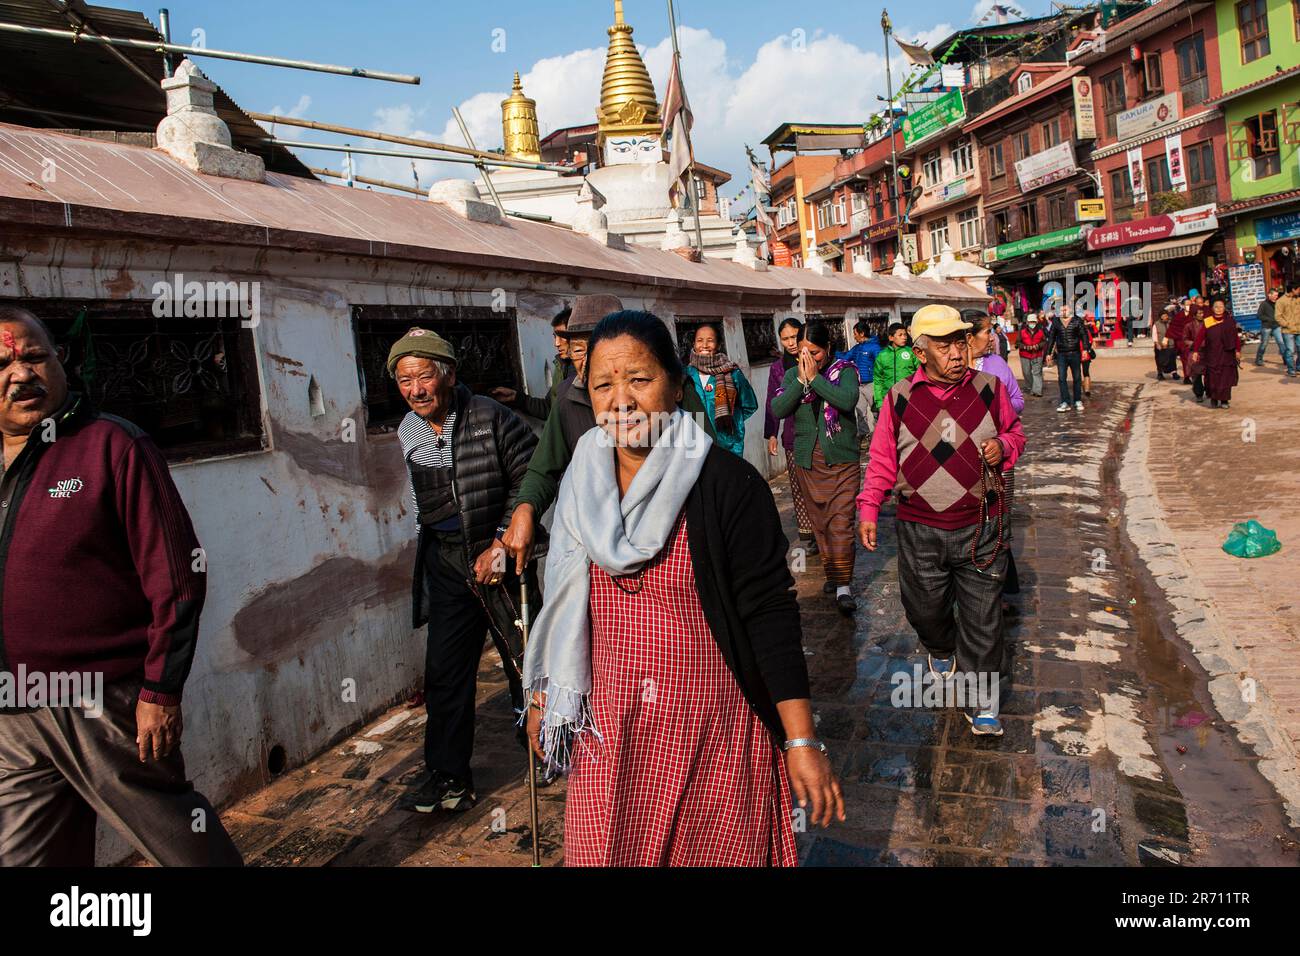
<point x="739" y="554"/>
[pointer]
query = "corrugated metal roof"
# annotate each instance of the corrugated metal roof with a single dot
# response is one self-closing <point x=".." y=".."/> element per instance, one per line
<point x="93" y="89"/>
<point x="133" y="191"/>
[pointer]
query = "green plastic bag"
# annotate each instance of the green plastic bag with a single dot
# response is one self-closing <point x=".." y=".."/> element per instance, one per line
<point x="1250" y="539"/>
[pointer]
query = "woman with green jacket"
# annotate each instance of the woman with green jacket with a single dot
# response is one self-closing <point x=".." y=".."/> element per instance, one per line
<point x="822" y="394"/>
<point x="895" y="362"/>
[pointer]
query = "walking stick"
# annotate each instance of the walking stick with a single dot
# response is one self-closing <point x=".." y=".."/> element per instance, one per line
<point x="525" y="621"/>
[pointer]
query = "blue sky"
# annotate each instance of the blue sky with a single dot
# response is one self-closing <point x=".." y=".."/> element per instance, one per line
<point x="747" y="65"/>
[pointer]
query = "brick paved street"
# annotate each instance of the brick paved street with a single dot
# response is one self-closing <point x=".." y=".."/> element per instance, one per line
<point x="1114" y="753"/>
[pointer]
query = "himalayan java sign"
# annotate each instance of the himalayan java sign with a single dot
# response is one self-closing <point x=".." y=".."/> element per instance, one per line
<point x="1046" y="167"/>
<point x="932" y="117"/>
<point x="1181" y="223"/>
<point x="1147" y="116"/>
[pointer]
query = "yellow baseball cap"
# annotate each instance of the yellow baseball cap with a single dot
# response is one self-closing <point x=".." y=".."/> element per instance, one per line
<point x="937" y="321"/>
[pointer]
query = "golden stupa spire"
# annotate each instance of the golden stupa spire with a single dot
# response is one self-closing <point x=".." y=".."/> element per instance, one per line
<point x="627" y="97"/>
<point x="519" y="130"/>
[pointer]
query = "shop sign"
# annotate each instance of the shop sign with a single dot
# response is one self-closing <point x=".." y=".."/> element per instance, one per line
<point x="1153" y="228"/>
<point x="1143" y="118"/>
<point x="953" y="190"/>
<point x="1046" y="240"/>
<point x="1246" y="287"/>
<point x="1047" y="166"/>
<point x="1278" y="228"/>
<point x="932" y="117"/>
<point x="908" y="247"/>
<point x="882" y="230"/>
<point x="1085" y="118"/>
<point x="1090" y="210"/>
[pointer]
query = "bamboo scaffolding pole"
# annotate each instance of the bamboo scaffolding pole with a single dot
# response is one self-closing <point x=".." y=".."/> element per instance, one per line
<point x="407" y="154"/>
<point x="158" y="46"/>
<point x="336" y="174"/>
<point x="401" y="140"/>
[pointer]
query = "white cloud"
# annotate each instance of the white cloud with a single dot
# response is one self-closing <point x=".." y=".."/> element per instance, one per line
<point x="299" y="109"/>
<point x="928" y="38"/>
<point x="817" y="78"/>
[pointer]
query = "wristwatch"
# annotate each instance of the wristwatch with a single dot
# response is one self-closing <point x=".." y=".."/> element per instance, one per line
<point x="805" y="742"/>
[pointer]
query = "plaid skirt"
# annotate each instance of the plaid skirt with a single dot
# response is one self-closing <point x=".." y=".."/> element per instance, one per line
<point x="801" y="519"/>
<point x="683" y="773"/>
<point x="828" y="493"/>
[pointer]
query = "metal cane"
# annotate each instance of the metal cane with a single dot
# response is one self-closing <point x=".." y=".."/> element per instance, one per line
<point x="525" y="620"/>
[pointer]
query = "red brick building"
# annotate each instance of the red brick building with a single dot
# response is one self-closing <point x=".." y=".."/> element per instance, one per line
<point x="1037" y="165"/>
<point x="1160" y="147"/>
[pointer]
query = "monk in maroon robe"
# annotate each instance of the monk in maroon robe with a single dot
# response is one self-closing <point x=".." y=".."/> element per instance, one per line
<point x="1218" y="348"/>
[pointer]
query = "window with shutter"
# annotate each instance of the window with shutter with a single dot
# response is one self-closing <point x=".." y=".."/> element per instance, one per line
<point x="1291" y="122"/>
<point x="1152" y="74"/>
<point x="1252" y="27"/>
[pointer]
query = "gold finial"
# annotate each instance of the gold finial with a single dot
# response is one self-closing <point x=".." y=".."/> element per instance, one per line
<point x="628" y="105"/>
<point x="519" y="129"/>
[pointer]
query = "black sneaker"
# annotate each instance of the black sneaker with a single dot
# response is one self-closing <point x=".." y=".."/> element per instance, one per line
<point x="444" y="792"/>
<point x="828" y="588"/>
<point x="846" y="603"/>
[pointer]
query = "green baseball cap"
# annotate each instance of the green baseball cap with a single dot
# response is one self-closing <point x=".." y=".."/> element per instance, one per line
<point x="422" y="344"/>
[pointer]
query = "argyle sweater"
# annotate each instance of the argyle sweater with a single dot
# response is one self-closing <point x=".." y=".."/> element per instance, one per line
<point x="926" y="447"/>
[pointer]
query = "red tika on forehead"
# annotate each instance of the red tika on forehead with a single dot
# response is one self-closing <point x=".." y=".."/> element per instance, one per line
<point x="7" y="338"/>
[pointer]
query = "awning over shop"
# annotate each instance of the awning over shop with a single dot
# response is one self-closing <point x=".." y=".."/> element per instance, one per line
<point x="1024" y="269"/>
<point x="1170" y="249"/>
<point x="1059" y="270"/>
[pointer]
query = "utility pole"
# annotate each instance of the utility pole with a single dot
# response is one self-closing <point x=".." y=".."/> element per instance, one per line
<point x="695" y="182"/>
<point x="887" y="28"/>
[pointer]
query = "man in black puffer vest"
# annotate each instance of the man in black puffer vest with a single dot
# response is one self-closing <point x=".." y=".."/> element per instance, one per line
<point x="1067" y="339"/>
<point x="466" y="456"/>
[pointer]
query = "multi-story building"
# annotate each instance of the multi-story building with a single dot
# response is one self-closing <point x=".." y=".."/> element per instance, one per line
<point x="980" y="68"/>
<point x="1035" y="150"/>
<point x="829" y="201"/>
<point x="1259" y="56"/>
<point x="873" y="203"/>
<point x="1160" y="147"/>
<point x="946" y="214"/>
<point x="814" y="149"/>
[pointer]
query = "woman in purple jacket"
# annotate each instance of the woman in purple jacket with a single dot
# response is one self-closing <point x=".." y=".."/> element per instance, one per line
<point x="791" y="336"/>
<point x="981" y="349"/>
<point x="981" y="353"/>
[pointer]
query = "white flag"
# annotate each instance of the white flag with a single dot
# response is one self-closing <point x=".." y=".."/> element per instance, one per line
<point x="915" y="54"/>
<point x="677" y="121"/>
<point x="1137" y="175"/>
<point x="1174" y="156"/>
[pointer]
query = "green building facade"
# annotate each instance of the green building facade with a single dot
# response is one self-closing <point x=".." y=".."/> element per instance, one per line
<point x="1259" y="57"/>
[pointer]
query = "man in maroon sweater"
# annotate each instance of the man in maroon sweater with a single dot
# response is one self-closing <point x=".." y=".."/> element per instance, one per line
<point x="941" y="440"/>
<point x="101" y="585"/>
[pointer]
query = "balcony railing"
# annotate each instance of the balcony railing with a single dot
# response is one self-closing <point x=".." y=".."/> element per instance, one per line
<point x="1203" y="195"/>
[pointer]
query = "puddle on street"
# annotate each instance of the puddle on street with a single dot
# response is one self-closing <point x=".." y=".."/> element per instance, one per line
<point x="1233" y="815"/>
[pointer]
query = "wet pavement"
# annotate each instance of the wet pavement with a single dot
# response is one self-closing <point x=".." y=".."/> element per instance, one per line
<point x="1113" y="752"/>
<point x="1089" y="771"/>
